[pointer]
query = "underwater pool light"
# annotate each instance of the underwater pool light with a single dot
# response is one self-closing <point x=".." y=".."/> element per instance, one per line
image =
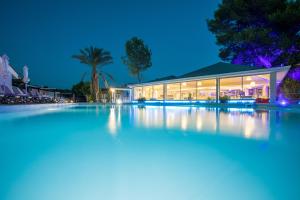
<point x="119" y="101"/>
<point x="283" y="102"/>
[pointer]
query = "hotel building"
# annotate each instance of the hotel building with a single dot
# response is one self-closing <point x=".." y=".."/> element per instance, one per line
<point x="238" y="82"/>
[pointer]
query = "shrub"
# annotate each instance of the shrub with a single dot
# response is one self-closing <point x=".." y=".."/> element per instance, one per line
<point x="141" y="100"/>
<point x="210" y="100"/>
<point x="224" y="99"/>
<point x="291" y="88"/>
<point x="190" y="97"/>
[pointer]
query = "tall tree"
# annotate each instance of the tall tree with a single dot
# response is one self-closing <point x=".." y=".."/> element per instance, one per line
<point x="138" y="57"/>
<point x="258" y="32"/>
<point x="82" y="89"/>
<point x="96" y="58"/>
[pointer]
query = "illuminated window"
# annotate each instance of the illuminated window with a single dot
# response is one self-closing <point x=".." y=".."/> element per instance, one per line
<point x="173" y="91"/>
<point x="206" y="89"/>
<point x="138" y="92"/>
<point x="188" y="90"/>
<point x="158" y="92"/>
<point x="256" y="86"/>
<point x="148" y="92"/>
<point x="232" y="87"/>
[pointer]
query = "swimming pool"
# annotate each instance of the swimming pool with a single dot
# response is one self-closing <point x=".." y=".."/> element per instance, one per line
<point x="149" y="153"/>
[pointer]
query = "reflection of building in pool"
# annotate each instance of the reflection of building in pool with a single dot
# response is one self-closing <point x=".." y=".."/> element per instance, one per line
<point x="213" y="82"/>
<point x="114" y="120"/>
<point x="245" y="123"/>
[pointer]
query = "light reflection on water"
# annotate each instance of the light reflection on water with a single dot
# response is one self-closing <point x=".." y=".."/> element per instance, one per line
<point x="246" y="123"/>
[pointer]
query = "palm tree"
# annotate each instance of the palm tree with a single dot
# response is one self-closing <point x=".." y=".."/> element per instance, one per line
<point x="95" y="57"/>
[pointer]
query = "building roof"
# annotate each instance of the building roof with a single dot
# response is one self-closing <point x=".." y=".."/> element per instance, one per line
<point x="219" y="68"/>
<point x="164" y="78"/>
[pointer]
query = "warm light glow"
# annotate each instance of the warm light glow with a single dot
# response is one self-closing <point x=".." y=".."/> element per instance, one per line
<point x="184" y="84"/>
<point x="249" y="127"/>
<point x="112" y="122"/>
<point x="184" y="122"/>
<point x="199" y="83"/>
<point x="112" y="90"/>
<point x="158" y="92"/>
<point x="252" y="84"/>
<point x="199" y="123"/>
<point x="248" y="78"/>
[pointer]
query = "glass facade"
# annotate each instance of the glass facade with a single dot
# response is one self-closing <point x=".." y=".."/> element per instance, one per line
<point x="138" y="92"/>
<point x="158" y="92"/>
<point x="189" y="90"/>
<point x="148" y="92"/>
<point x="241" y="87"/>
<point x="256" y="86"/>
<point x="232" y="87"/>
<point x="173" y="91"/>
<point x="206" y="89"/>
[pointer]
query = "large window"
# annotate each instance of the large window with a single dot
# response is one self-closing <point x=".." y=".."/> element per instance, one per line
<point x="158" y="92"/>
<point x="256" y="86"/>
<point x="232" y="87"/>
<point x="148" y="92"/>
<point x="188" y="90"/>
<point x="206" y="89"/>
<point x="242" y="87"/>
<point x="138" y="92"/>
<point x="173" y="91"/>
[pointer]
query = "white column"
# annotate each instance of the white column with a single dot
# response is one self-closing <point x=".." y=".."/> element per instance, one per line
<point x="130" y="94"/>
<point x="273" y="87"/>
<point x="217" y="90"/>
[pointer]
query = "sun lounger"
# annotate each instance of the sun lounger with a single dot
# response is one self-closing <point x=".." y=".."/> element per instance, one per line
<point x="7" y="96"/>
<point x="18" y="96"/>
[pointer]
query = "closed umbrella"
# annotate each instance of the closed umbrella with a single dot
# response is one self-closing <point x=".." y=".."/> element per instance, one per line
<point x="1" y="72"/>
<point x="25" y="77"/>
<point x="5" y="75"/>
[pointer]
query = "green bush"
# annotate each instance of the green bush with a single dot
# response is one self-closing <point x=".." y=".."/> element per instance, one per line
<point x="141" y="100"/>
<point x="82" y="89"/>
<point x="224" y="99"/>
<point x="190" y="97"/>
<point x="210" y="100"/>
<point x="291" y="88"/>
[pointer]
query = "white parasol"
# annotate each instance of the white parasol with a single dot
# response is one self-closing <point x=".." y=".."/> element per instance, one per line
<point x="25" y="77"/>
<point x="5" y="74"/>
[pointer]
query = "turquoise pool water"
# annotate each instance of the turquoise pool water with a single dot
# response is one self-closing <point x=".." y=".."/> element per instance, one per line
<point x="150" y="153"/>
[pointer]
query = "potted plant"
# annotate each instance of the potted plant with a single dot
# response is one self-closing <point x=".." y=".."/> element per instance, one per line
<point x="141" y="100"/>
<point x="190" y="97"/>
<point x="210" y="100"/>
<point x="224" y="99"/>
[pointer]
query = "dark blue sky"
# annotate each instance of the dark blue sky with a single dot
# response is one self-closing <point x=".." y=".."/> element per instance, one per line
<point x="45" y="34"/>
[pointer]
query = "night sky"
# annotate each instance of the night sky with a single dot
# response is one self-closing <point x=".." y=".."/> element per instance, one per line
<point x="45" y="34"/>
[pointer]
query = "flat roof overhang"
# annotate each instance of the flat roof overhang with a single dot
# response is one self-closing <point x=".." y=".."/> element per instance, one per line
<point x="214" y="76"/>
